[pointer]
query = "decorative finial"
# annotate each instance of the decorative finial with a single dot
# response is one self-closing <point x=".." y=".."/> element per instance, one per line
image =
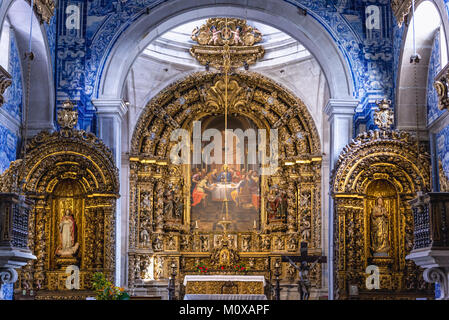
<point x="384" y="116"/>
<point x="67" y="116"/>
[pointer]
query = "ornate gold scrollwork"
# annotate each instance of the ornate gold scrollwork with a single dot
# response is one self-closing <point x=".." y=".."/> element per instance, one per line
<point x="375" y="177"/>
<point x="72" y="178"/>
<point x="236" y="34"/>
<point x="44" y="9"/>
<point x="5" y="82"/>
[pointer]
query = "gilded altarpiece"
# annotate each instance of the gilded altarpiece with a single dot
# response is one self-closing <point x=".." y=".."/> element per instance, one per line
<point x="71" y="177"/>
<point x="163" y="235"/>
<point x="376" y="176"/>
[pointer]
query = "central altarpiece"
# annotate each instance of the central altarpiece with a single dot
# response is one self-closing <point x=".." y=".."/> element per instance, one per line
<point x="175" y="210"/>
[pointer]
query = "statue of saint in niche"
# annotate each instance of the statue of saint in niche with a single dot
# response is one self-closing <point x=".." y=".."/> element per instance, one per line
<point x="67" y="228"/>
<point x="380" y="243"/>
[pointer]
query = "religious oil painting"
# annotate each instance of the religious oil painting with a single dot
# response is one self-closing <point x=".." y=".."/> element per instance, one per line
<point x="230" y="189"/>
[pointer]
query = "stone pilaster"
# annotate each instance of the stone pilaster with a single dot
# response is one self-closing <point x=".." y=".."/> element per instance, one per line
<point x="341" y="117"/>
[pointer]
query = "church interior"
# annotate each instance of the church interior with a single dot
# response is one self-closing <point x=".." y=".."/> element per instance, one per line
<point x="204" y="150"/>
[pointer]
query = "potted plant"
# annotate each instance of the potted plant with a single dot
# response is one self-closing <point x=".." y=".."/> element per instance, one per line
<point x="106" y="290"/>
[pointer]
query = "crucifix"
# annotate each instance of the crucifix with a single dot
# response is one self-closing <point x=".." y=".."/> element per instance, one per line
<point x="304" y="259"/>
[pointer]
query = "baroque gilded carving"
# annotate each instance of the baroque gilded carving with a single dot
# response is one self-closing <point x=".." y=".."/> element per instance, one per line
<point x="401" y="9"/>
<point x="73" y="181"/>
<point x="375" y="177"/>
<point x="5" y="82"/>
<point x="160" y="190"/>
<point x="44" y="9"/>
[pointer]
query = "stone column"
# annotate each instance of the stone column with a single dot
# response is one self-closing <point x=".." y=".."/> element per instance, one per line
<point x="110" y="115"/>
<point x="341" y="117"/>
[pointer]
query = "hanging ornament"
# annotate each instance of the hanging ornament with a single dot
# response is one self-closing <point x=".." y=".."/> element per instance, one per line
<point x="415" y="58"/>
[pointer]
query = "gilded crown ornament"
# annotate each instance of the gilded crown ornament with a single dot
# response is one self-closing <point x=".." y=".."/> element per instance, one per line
<point x="230" y="34"/>
<point x="67" y="116"/>
<point x="384" y="116"/>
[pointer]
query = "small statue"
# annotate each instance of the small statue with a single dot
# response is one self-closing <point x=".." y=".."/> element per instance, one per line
<point x="246" y="243"/>
<point x="236" y="33"/>
<point x="204" y="243"/>
<point x="279" y="243"/>
<point x="305" y="230"/>
<point x="138" y="270"/>
<point x="304" y="282"/>
<point x="215" y="34"/>
<point x="158" y="268"/>
<point x="169" y="205"/>
<point x="272" y="204"/>
<point x="146" y="202"/>
<point x="185" y="242"/>
<point x="158" y="243"/>
<point x="292" y="243"/>
<point x="379" y="228"/>
<point x="171" y="243"/>
<point x="266" y="243"/>
<point x="179" y="205"/>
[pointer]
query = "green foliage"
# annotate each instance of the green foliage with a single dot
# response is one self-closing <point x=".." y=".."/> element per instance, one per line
<point x="106" y="290"/>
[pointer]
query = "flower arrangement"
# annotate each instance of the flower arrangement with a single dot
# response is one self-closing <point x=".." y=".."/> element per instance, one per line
<point x="240" y="268"/>
<point x="106" y="290"/>
<point x="201" y="268"/>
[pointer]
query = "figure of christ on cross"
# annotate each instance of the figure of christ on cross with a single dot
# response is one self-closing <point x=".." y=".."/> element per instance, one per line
<point x="304" y="259"/>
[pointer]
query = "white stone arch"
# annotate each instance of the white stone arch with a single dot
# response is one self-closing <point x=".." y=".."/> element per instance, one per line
<point x="278" y="14"/>
<point x="42" y="104"/>
<point x="111" y="83"/>
<point x="411" y="91"/>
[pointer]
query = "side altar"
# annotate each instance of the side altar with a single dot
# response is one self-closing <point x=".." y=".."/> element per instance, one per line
<point x="232" y="287"/>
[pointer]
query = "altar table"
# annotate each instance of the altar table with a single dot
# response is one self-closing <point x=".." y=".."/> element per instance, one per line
<point x="228" y="287"/>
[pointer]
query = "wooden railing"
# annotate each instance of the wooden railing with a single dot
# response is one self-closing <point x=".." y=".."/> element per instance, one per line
<point x="431" y="217"/>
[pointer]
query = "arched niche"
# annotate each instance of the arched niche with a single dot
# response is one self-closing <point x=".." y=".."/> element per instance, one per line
<point x="384" y="165"/>
<point x="71" y="177"/>
<point x="156" y="240"/>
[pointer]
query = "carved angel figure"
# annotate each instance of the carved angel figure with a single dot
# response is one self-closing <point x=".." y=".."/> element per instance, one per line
<point x="215" y="34"/>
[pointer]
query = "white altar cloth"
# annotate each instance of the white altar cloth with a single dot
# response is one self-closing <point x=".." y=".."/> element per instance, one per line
<point x="224" y="278"/>
<point x="221" y="189"/>
<point x="225" y="297"/>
